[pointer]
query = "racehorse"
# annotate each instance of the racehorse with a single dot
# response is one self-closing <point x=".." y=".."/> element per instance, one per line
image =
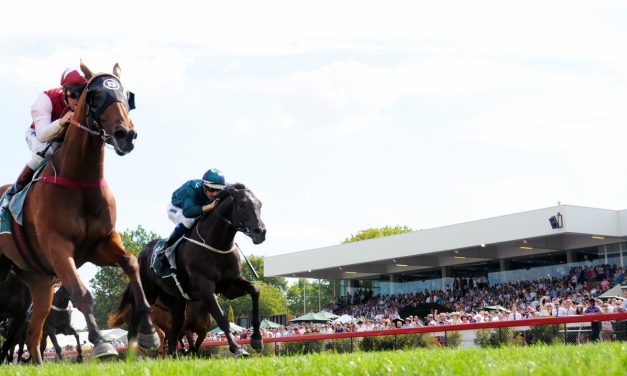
<point x="69" y="215"/>
<point x="197" y="321"/>
<point x="207" y="264"/>
<point x="15" y="302"/>
<point x="59" y="322"/>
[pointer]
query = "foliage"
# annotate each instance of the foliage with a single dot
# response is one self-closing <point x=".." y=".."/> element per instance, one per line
<point x="495" y="337"/>
<point x="271" y="302"/>
<point x="109" y="282"/>
<point x="303" y="347"/>
<point x="258" y="264"/>
<point x="546" y="334"/>
<point x="231" y="315"/>
<point x="318" y="294"/>
<point x="453" y="339"/>
<point x="396" y="342"/>
<point x="371" y="233"/>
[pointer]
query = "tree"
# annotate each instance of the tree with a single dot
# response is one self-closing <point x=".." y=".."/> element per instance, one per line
<point x="271" y="302"/>
<point x="318" y="295"/>
<point x="371" y="233"/>
<point x="258" y="262"/>
<point x="231" y="315"/>
<point x="109" y="282"/>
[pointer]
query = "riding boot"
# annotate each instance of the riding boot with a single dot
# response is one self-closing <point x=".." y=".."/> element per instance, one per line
<point x="25" y="177"/>
<point x="179" y="231"/>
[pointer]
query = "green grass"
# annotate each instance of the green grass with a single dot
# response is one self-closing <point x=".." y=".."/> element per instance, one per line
<point x="590" y="359"/>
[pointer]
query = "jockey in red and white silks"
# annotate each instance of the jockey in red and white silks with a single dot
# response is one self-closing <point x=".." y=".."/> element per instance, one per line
<point x="51" y="113"/>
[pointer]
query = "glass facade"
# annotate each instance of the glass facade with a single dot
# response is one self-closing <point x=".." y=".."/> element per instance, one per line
<point x="611" y="254"/>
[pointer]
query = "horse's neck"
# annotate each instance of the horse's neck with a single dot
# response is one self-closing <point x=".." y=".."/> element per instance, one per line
<point x="215" y="232"/>
<point x="81" y="157"/>
<point x="60" y="301"/>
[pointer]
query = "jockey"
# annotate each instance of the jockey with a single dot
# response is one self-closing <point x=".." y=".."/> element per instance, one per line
<point x="192" y="199"/>
<point x="51" y="113"/>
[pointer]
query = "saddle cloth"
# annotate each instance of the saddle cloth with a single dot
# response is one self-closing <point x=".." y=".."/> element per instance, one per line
<point x="163" y="261"/>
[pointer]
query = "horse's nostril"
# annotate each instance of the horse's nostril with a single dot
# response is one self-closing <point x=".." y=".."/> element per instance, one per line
<point x="257" y="231"/>
<point x="119" y="134"/>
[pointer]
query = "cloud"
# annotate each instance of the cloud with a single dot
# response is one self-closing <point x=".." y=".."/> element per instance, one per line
<point x="341" y="98"/>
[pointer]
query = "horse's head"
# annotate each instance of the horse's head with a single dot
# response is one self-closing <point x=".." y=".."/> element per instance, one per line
<point x="107" y="104"/>
<point x="241" y="209"/>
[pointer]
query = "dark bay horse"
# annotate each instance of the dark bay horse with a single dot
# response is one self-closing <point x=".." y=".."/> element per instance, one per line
<point x="59" y="321"/>
<point x="207" y="263"/>
<point x="14" y="303"/>
<point x="70" y="213"/>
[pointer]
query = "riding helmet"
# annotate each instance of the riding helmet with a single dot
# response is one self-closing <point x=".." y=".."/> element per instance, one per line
<point x="214" y="178"/>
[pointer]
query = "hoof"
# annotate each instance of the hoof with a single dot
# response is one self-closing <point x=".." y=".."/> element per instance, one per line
<point x="104" y="350"/>
<point x="257" y="344"/>
<point x="148" y="341"/>
<point x="241" y="353"/>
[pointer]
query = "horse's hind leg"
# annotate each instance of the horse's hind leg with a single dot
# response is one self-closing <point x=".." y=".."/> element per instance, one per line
<point x="41" y="290"/>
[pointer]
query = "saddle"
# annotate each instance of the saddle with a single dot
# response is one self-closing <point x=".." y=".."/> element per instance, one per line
<point x="16" y="205"/>
<point x="163" y="261"/>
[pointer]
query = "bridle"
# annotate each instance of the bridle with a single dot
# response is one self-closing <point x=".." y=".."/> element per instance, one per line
<point x="96" y="105"/>
<point x="239" y="227"/>
<point x="217" y="211"/>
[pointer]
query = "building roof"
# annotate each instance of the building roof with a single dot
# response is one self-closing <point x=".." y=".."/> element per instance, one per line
<point x="491" y="239"/>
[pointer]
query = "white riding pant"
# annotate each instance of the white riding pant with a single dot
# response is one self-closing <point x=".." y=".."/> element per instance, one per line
<point x="176" y="215"/>
<point x="37" y="146"/>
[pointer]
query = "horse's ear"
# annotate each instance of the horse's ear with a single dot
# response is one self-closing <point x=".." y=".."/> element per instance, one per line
<point x="86" y="71"/>
<point x="117" y="71"/>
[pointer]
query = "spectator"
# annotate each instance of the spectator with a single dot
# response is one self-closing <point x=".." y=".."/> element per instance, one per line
<point x="595" y="326"/>
<point x="514" y="314"/>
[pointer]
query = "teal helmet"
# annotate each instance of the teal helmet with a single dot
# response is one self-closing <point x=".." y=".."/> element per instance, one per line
<point x="213" y="178"/>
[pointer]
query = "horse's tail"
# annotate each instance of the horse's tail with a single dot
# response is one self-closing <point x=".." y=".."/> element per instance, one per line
<point x="123" y="314"/>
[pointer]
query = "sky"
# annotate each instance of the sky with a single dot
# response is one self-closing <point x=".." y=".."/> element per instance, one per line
<point x="342" y="115"/>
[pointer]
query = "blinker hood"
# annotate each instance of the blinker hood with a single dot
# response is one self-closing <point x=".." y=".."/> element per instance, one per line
<point x="104" y="90"/>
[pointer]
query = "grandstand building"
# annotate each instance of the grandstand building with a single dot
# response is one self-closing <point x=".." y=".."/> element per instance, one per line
<point x="522" y="246"/>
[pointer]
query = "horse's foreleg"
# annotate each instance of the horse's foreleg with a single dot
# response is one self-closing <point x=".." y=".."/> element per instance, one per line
<point x="223" y="322"/>
<point x="112" y="252"/>
<point x="79" y="350"/>
<point x="256" y="340"/>
<point x="239" y="288"/>
<point x="55" y="344"/>
<point x="83" y="301"/>
<point x="41" y="290"/>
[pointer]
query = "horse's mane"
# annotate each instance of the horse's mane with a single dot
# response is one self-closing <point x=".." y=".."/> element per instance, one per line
<point x="238" y="186"/>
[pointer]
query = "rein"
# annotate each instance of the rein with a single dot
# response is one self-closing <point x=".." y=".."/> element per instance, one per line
<point x="207" y="246"/>
<point x="102" y="133"/>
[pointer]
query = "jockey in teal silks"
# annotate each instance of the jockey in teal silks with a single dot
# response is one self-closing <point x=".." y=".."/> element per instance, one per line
<point x="191" y="200"/>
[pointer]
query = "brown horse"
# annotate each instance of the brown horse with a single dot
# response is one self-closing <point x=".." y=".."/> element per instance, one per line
<point x="69" y="215"/>
<point x="207" y="263"/>
<point x="197" y="321"/>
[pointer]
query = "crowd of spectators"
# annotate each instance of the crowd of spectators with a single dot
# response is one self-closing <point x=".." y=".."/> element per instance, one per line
<point x="574" y="294"/>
